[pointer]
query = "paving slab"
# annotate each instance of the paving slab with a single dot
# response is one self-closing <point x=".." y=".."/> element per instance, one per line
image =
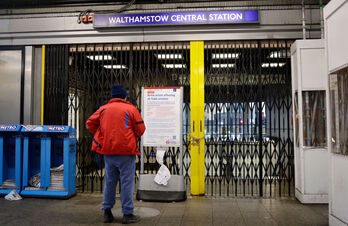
<point x="84" y="209"/>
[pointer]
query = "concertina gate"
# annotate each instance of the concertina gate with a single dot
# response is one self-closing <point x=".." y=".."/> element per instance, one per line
<point x="248" y="126"/>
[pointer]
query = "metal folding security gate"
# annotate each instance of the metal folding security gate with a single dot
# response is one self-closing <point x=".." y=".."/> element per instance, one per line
<point x="249" y="149"/>
<point x="78" y="80"/>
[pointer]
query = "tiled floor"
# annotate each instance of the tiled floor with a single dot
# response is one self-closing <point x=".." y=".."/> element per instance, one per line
<point x="85" y="210"/>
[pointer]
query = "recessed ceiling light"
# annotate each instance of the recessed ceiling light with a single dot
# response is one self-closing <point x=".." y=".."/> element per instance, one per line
<point x="100" y="57"/>
<point x="225" y="55"/>
<point x="174" y="66"/>
<point x="280" y="54"/>
<point x="168" y="56"/>
<point x="116" y="66"/>
<point x="223" y="65"/>
<point x="266" y="65"/>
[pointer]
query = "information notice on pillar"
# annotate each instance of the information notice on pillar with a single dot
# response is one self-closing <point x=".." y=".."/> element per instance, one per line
<point x="162" y="116"/>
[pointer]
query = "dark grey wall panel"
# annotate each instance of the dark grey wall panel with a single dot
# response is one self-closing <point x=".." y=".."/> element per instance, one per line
<point x="10" y="85"/>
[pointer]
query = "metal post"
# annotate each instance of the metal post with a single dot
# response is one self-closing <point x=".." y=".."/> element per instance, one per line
<point x="142" y="139"/>
<point x="25" y="161"/>
<point x="131" y="73"/>
<point x="18" y="161"/>
<point x="197" y="116"/>
<point x="307" y="116"/>
<point x="260" y="122"/>
<point x="322" y="19"/>
<point x="43" y="83"/>
<point x="181" y="135"/>
<point x="2" y="161"/>
<point x="303" y="20"/>
<point x="65" y="63"/>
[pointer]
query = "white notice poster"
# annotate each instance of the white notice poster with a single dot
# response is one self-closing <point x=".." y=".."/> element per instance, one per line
<point x="162" y="111"/>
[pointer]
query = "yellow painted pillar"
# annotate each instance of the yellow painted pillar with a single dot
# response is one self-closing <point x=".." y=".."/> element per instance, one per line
<point x="43" y="83"/>
<point x="197" y="117"/>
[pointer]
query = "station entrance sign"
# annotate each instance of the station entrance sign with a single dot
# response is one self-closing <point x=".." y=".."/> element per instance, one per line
<point x="175" y="18"/>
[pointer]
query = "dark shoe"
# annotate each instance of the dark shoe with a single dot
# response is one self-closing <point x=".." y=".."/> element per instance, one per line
<point x="130" y="218"/>
<point x="108" y="217"/>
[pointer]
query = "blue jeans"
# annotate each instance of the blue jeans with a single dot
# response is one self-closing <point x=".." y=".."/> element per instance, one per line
<point x="123" y="167"/>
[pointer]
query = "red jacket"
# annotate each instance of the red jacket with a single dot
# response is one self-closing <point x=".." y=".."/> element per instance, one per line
<point x="116" y="127"/>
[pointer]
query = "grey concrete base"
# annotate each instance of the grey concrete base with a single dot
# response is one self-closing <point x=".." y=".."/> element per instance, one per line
<point x="148" y="190"/>
<point x="311" y="198"/>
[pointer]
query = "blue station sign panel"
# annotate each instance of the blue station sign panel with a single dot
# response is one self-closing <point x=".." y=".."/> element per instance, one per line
<point x="176" y="18"/>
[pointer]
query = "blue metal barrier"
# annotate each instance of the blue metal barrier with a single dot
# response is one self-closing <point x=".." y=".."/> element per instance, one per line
<point x="44" y="149"/>
<point x="10" y="158"/>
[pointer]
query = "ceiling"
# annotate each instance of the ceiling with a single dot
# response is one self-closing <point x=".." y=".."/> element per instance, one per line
<point x="13" y="4"/>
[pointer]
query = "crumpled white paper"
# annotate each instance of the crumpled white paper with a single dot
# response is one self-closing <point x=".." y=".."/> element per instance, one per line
<point x="58" y="169"/>
<point x="160" y="155"/>
<point x="163" y="175"/>
<point x="13" y="196"/>
<point x="29" y="127"/>
<point x="34" y="181"/>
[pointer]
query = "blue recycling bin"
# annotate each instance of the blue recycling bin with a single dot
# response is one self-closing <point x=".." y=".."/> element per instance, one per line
<point x="10" y="158"/>
<point x="49" y="161"/>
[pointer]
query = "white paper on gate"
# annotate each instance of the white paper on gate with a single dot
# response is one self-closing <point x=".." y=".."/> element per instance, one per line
<point x="163" y="175"/>
<point x="160" y="155"/>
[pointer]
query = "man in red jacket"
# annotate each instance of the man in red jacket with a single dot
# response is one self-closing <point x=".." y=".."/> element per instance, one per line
<point x="116" y="127"/>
